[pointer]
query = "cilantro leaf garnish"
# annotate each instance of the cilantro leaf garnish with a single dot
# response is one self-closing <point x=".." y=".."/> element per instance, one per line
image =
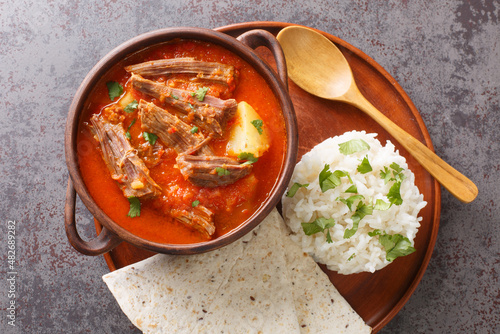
<point x="114" y="89"/>
<point x="385" y="175"/>
<point x="127" y="134"/>
<point x="150" y="137"/>
<point x="249" y="157"/>
<point x="222" y="171"/>
<point x="340" y="173"/>
<point x="395" y="175"/>
<point x="175" y="97"/>
<point x="374" y="233"/>
<point x="350" y="200"/>
<point x="351" y="257"/>
<point x="396" y="167"/>
<point x="328" y="237"/>
<point x="294" y="188"/>
<point x="362" y="210"/>
<point x="365" y="166"/>
<point x="398" y="172"/>
<point x="351" y="231"/>
<point x="195" y="203"/>
<point x="135" y="207"/>
<point x="394" y="195"/>
<point x="319" y="225"/>
<point x="329" y="180"/>
<point x="131" y="107"/>
<point x="258" y="125"/>
<point x="352" y="189"/>
<point x="200" y="93"/>
<point x="382" y="205"/>
<point x="353" y="146"/>
<point x="396" y="246"/>
<point x="194" y="129"/>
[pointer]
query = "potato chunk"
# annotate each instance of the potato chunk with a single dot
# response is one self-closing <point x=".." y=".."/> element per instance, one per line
<point x="244" y="135"/>
<point x="126" y="99"/>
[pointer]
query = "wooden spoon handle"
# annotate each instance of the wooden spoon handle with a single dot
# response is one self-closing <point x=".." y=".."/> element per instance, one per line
<point x="455" y="182"/>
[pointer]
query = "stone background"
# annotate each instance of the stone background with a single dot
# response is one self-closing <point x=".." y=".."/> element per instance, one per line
<point x="444" y="53"/>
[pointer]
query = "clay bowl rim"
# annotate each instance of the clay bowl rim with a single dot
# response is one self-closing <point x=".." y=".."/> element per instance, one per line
<point x="141" y="42"/>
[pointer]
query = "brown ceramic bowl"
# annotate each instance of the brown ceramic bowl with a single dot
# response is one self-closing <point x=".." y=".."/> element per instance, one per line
<point x="112" y="233"/>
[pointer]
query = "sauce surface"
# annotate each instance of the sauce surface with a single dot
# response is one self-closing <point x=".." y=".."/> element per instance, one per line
<point x="232" y="204"/>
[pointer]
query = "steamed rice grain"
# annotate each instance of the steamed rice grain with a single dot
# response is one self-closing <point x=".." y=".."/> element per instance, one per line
<point x="360" y="252"/>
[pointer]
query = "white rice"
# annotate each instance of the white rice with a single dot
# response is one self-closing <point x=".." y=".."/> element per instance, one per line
<point x="360" y="252"/>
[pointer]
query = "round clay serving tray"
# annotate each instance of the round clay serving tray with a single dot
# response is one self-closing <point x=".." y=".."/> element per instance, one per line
<point x="376" y="297"/>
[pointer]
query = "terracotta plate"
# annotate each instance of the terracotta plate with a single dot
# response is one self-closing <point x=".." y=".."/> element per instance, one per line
<point x="376" y="297"/>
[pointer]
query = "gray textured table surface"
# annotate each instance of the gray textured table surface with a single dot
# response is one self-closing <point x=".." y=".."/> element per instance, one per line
<point x="445" y="55"/>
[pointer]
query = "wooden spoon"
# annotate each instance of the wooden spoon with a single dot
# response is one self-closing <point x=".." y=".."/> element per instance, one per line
<point x="316" y="65"/>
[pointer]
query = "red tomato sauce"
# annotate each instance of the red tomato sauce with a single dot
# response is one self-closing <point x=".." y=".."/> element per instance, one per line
<point x="232" y="204"/>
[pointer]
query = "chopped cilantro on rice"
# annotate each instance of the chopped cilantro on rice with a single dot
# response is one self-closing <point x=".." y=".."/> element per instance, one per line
<point x="364" y="188"/>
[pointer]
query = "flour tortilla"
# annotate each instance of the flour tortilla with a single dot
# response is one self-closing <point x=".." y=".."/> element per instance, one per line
<point x="256" y="298"/>
<point x="168" y="294"/>
<point x="262" y="283"/>
<point x="320" y="308"/>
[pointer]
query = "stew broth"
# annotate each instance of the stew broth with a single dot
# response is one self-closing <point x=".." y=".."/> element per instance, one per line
<point x="232" y="204"/>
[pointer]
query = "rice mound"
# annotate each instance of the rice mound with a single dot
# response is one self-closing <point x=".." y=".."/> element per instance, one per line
<point x="360" y="252"/>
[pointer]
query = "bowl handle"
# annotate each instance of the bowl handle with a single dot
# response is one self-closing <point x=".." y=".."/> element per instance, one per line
<point x="103" y="243"/>
<point x="259" y="37"/>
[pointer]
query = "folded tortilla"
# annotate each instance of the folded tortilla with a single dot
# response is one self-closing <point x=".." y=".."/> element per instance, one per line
<point x="256" y="298"/>
<point x="168" y="294"/>
<point x="262" y="283"/>
<point x="320" y="308"/>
